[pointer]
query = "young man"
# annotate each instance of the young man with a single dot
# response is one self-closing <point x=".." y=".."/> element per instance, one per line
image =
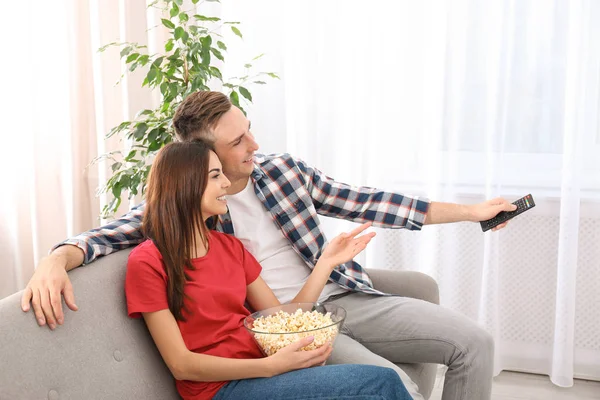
<point x="273" y="205"/>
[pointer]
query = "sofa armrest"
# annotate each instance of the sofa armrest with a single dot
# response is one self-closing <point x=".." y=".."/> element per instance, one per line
<point x="406" y="284"/>
<point x="99" y="352"/>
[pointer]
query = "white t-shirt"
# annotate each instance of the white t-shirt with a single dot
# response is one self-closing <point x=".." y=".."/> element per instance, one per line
<point x="283" y="269"/>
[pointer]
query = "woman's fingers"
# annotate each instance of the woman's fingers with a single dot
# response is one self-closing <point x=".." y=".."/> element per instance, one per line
<point x="359" y="229"/>
<point x="366" y="238"/>
<point x="318" y="356"/>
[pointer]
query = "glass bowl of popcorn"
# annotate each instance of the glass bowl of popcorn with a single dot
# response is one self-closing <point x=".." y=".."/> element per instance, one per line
<point x="277" y="327"/>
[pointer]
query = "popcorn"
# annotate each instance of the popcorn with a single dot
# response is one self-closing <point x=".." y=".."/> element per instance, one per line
<point x="282" y="329"/>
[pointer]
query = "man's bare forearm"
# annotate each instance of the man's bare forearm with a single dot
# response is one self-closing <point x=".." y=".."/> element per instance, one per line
<point x="442" y="213"/>
<point x="68" y="255"/>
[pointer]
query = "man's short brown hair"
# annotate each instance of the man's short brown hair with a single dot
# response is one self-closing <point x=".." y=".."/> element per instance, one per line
<point x="198" y="113"/>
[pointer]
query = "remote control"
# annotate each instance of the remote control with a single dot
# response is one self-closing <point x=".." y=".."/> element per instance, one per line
<point x="523" y="204"/>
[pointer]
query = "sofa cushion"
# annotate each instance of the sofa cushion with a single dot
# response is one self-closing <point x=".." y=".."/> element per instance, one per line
<point x="97" y="353"/>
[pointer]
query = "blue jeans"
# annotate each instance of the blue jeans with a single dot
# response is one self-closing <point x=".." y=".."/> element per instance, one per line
<point x="332" y="382"/>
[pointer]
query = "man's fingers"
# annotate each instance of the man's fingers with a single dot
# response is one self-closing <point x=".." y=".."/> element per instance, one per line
<point x="26" y="299"/>
<point x="37" y="307"/>
<point x="502" y="225"/>
<point x="69" y="296"/>
<point x="47" y="308"/>
<point x="503" y="204"/>
<point x="56" y="305"/>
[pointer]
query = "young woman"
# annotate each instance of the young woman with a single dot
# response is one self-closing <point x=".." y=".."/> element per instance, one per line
<point x="190" y="285"/>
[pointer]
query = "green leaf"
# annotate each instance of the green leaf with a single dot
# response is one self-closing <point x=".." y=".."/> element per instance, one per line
<point x="116" y="166"/>
<point x="106" y="46"/>
<point x="121" y="127"/>
<point x="260" y="82"/>
<point x="247" y="65"/>
<point x="174" y="10"/>
<point x="232" y="23"/>
<point x="273" y="75"/>
<point x="217" y="53"/>
<point x="159" y="77"/>
<point x="213" y="1"/>
<point x="168" y="23"/>
<point x="156" y="63"/>
<point x="165" y="107"/>
<point x="173" y="89"/>
<point x="244" y="92"/>
<point x="221" y="45"/>
<point x="116" y="191"/>
<point x="258" y="56"/>
<point x="132" y="57"/>
<point x="153" y="134"/>
<point x="195" y="1"/>
<point x="214" y="71"/>
<point x="169" y="45"/>
<point x="205" y="50"/>
<point x="116" y="203"/>
<point x="205" y="55"/>
<point x="235" y="99"/>
<point x="206" y="41"/>
<point x="236" y="31"/>
<point x="183" y="17"/>
<point x="179" y="2"/>
<point x="143" y="60"/>
<point x="140" y="130"/>
<point x="164" y="88"/>
<point x="179" y="33"/>
<point x="205" y="18"/>
<point x="143" y="112"/>
<point x="151" y="75"/>
<point x="198" y="83"/>
<point x="154" y="146"/>
<point x="131" y="155"/>
<point x="126" y="50"/>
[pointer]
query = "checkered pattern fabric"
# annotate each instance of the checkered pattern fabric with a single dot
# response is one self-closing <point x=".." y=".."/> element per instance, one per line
<point x="295" y="194"/>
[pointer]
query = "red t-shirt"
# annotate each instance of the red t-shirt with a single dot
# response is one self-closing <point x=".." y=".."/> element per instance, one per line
<point x="215" y="324"/>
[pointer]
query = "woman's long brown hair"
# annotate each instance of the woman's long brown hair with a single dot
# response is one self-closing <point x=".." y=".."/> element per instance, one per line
<point x="173" y="212"/>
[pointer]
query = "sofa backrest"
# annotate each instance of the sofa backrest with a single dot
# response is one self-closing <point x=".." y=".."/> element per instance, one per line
<point x="98" y="353"/>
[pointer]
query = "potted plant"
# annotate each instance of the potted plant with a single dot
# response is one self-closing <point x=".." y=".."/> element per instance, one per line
<point x="186" y="65"/>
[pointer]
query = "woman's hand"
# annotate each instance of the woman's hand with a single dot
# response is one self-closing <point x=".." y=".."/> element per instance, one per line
<point x="291" y="357"/>
<point x="346" y="246"/>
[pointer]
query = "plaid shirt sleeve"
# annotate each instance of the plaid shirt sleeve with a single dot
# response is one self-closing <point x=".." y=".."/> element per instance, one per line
<point x="363" y="204"/>
<point x="116" y="235"/>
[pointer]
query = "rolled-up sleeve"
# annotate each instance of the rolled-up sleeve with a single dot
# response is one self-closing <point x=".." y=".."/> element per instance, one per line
<point x="363" y="204"/>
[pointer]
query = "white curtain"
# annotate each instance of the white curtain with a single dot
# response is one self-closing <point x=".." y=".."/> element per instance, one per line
<point x="460" y="101"/>
<point x="60" y="99"/>
<point x="457" y="100"/>
<point x="47" y="134"/>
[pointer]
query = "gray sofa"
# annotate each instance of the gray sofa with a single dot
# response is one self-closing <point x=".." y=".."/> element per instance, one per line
<point x="99" y="353"/>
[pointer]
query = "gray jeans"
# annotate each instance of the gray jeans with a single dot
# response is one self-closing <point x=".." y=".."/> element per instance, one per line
<point x="385" y="331"/>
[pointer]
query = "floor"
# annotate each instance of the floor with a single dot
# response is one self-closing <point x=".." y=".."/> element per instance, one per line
<point x="519" y="386"/>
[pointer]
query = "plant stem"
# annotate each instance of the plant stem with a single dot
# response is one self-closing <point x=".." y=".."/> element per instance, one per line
<point x="186" y="74"/>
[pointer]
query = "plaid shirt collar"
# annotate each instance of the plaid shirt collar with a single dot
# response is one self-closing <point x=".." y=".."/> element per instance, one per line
<point x="350" y="275"/>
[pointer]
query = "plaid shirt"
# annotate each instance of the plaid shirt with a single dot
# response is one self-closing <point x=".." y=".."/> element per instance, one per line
<point x="295" y="194"/>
